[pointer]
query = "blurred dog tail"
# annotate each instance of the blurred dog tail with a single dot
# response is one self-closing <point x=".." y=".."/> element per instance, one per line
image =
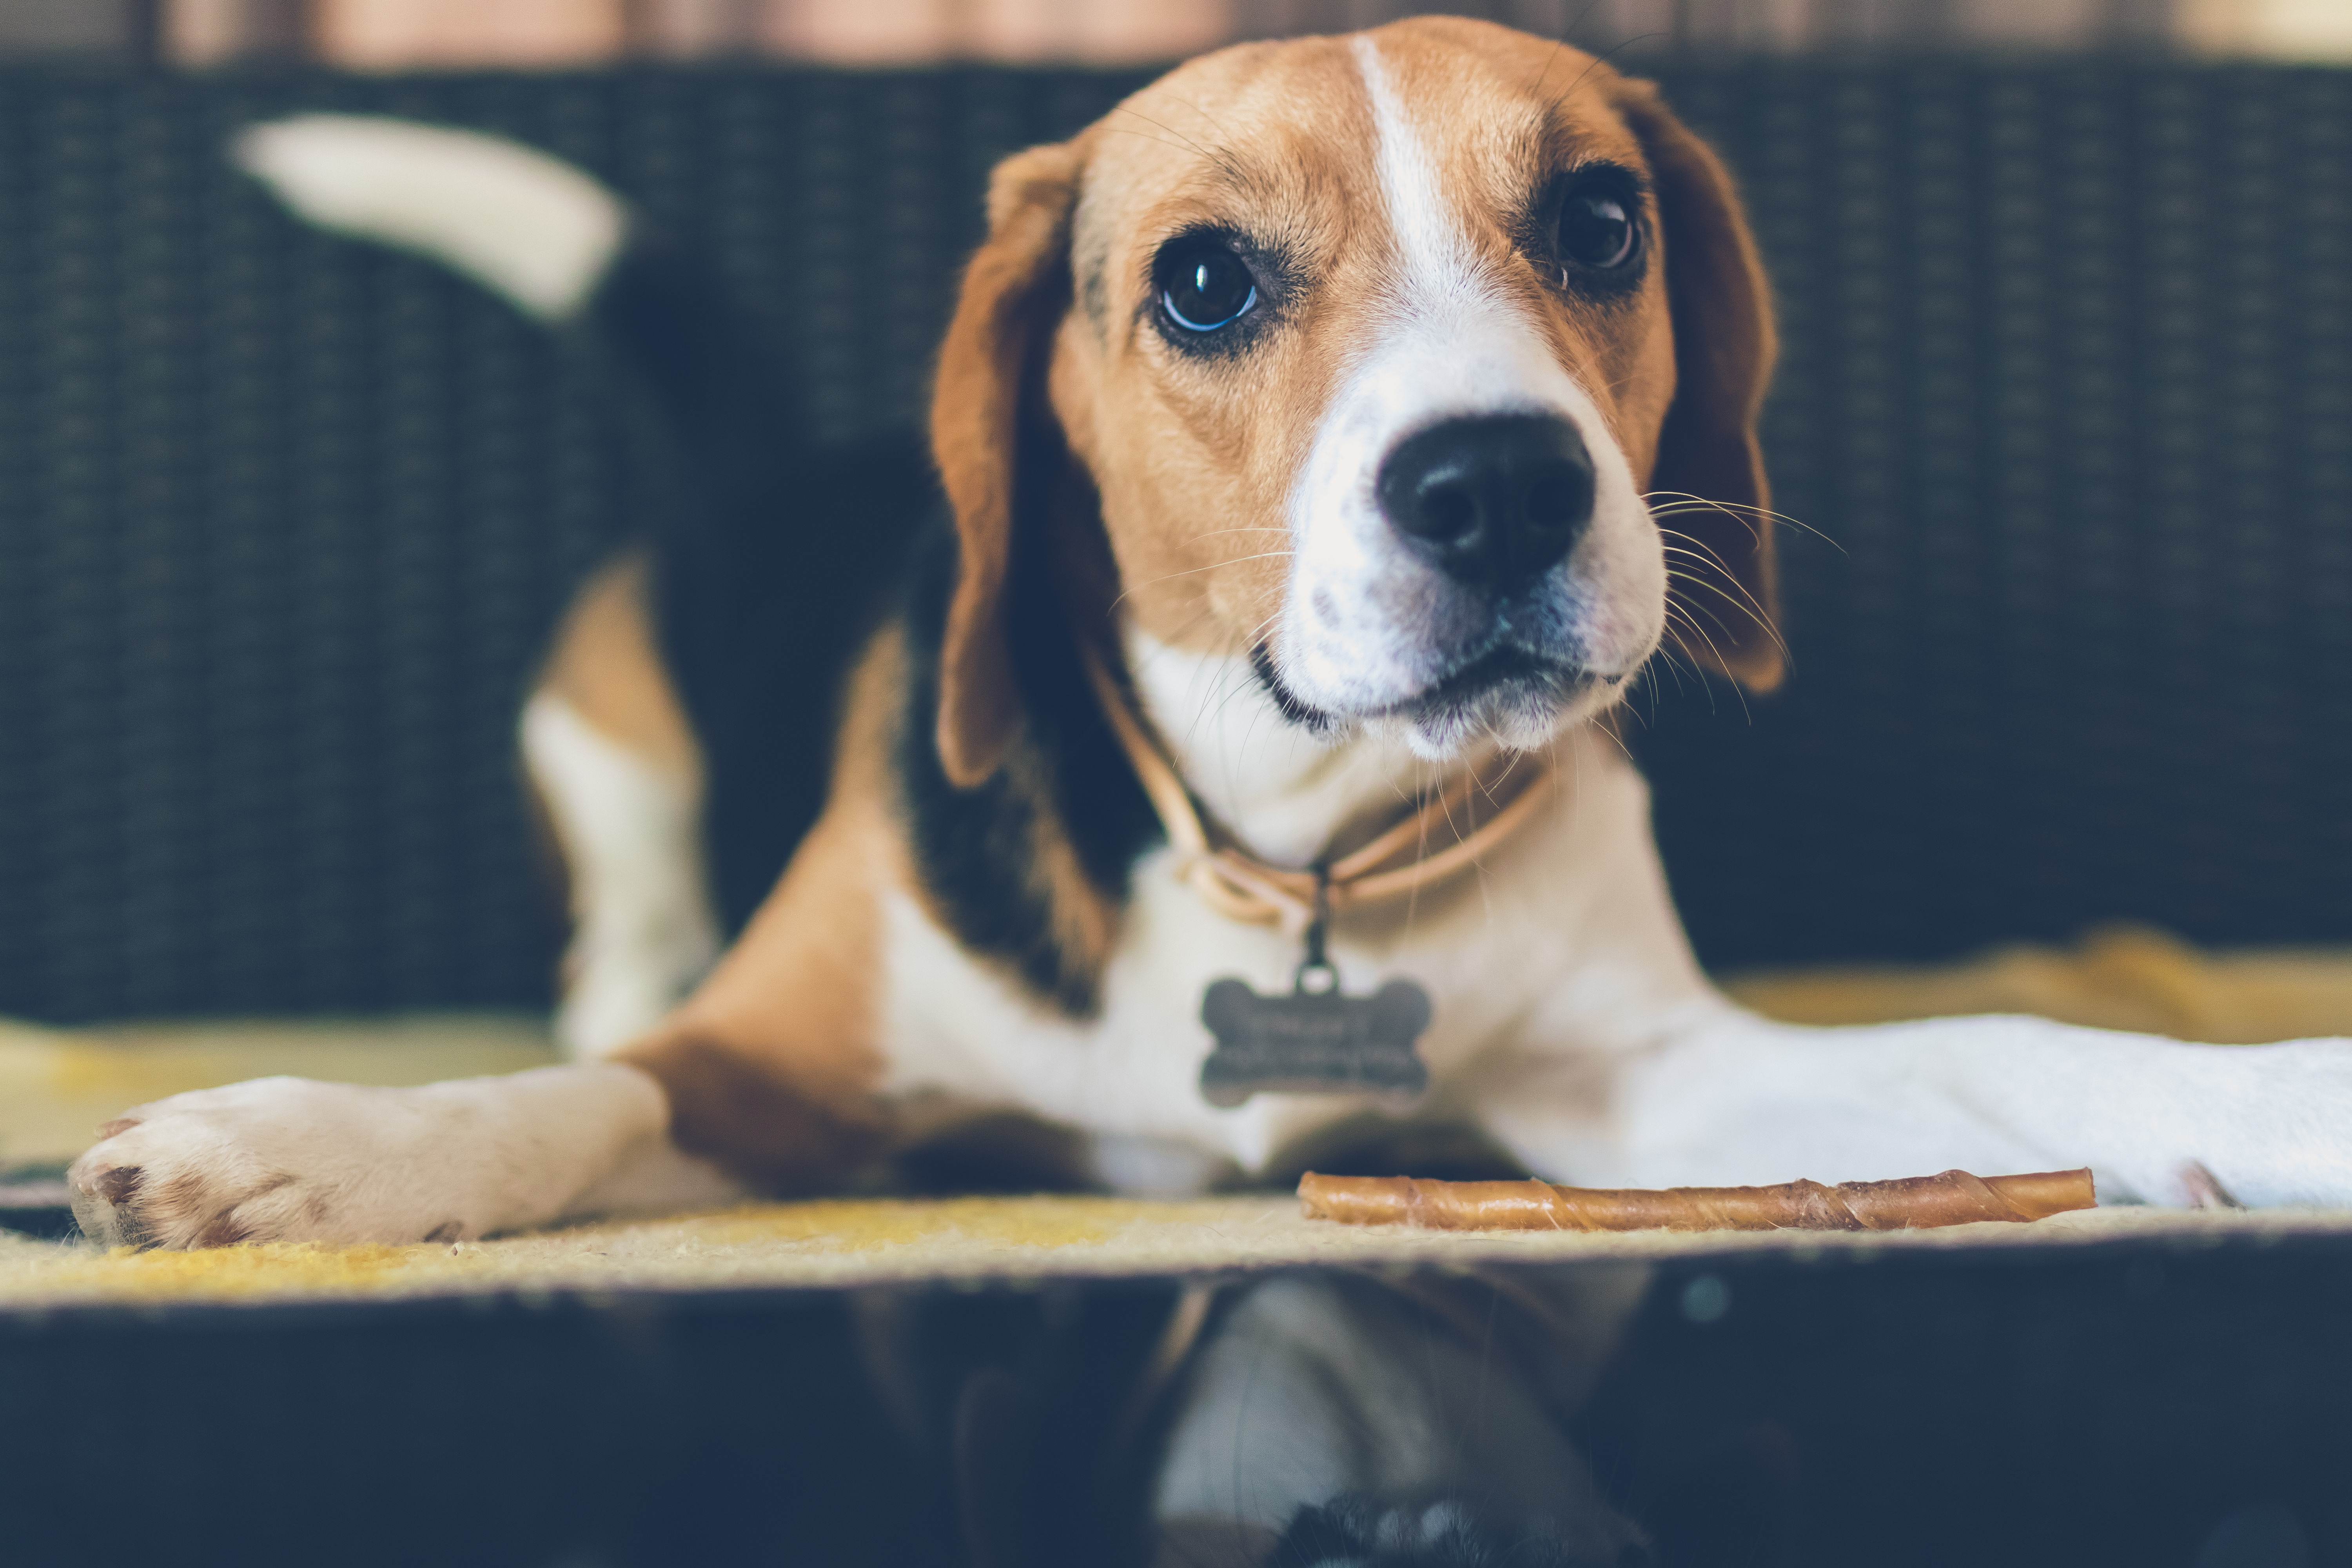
<point x="767" y="578"/>
<point x="560" y="247"/>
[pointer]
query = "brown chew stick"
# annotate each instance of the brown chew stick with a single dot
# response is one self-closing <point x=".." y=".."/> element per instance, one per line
<point x="1914" y="1203"/>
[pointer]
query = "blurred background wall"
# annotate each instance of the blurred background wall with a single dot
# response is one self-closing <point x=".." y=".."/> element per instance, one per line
<point x="392" y="34"/>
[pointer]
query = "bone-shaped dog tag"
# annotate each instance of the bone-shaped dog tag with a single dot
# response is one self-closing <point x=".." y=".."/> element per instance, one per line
<point x="1314" y="1041"/>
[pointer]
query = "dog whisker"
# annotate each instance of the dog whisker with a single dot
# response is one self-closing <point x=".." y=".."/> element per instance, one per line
<point x="1605" y="57"/>
<point x="1700" y="632"/>
<point x="1141" y="135"/>
<point x="1222" y="159"/>
<point x="1698" y="549"/>
<point x="1690" y="613"/>
<point x="1195" y="571"/>
<point x="1690" y="607"/>
<point x="1683" y="501"/>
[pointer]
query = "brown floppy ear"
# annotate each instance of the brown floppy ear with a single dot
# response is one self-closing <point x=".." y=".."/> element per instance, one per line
<point x="1014" y="291"/>
<point x="1724" y="349"/>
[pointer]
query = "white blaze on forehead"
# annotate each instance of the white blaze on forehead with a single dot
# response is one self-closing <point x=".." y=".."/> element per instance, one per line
<point x="1440" y="269"/>
<point x="1366" y="625"/>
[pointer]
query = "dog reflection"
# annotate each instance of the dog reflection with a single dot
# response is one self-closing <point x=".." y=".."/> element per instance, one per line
<point x="1336" y="1418"/>
<point x="1323" y="1417"/>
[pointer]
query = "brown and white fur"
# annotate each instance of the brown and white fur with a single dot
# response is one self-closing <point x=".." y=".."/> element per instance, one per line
<point x="983" y="920"/>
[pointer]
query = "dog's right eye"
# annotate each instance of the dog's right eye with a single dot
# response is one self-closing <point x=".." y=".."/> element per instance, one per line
<point x="1204" y="286"/>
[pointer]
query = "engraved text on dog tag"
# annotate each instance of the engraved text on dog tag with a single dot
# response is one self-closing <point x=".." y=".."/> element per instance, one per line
<point x="1313" y="1042"/>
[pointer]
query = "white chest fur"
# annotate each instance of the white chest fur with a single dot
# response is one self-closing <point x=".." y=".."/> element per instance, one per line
<point x="1566" y="930"/>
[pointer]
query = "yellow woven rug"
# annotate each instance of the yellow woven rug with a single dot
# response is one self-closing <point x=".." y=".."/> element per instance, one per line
<point x="56" y="1086"/>
<point x="974" y="1240"/>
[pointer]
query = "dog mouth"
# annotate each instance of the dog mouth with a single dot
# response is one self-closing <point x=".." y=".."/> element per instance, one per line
<point x="1503" y="676"/>
<point x="1506" y="672"/>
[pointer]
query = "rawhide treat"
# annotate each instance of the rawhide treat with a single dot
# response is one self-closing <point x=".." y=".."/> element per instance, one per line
<point x="1914" y="1203"/>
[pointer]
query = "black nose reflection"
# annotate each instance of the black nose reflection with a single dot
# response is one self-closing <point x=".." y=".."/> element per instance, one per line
<point x="1494" y="502"/>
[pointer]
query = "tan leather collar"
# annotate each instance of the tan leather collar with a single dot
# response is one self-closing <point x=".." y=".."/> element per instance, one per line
<point x="1447" y="834"/>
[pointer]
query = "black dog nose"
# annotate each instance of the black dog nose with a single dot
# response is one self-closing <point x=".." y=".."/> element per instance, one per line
<point x="1495" y="501"/>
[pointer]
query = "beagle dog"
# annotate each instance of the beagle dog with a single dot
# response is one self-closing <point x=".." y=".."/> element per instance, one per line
<point x="1352" y="419"/>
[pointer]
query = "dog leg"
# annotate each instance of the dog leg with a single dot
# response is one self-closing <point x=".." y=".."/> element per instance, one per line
<point x="1739" y="1099"/>
<point x="284" y="1159"/>
<point x="643" y="931"/>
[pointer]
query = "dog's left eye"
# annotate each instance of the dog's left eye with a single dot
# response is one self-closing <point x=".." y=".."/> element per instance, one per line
<point x="1597" y="231"/>
<point x="1205" y="286"/>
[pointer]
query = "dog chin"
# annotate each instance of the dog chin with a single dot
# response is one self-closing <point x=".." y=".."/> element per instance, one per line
<point x="1515" y="716"/>
<point x="1523" y="705"/>
<point x="1518" y="701"/>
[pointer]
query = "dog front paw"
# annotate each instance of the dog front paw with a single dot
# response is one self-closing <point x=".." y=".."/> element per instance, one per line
<point x="277" y="1159"/>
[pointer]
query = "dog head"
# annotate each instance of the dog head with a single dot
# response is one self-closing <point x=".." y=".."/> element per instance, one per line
<point x="1371" y="349"/>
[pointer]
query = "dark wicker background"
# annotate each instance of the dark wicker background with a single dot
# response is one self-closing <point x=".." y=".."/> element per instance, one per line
<point x="284" y="521"/>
